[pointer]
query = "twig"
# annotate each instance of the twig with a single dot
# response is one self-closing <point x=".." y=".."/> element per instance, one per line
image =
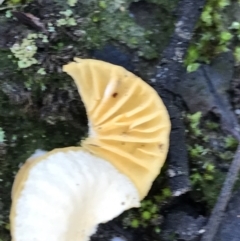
<point x="223" y="199"/>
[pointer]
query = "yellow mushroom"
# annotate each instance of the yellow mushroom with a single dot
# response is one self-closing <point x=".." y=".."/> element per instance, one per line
<point x="64" y="194"/>
<point x="128" y="123"/>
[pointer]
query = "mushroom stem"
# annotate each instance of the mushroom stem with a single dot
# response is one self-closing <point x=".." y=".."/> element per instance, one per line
<point x="66" y="196"/>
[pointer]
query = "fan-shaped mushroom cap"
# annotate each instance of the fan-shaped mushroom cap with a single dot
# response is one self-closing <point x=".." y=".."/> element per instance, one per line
<point x="64" y="194"/>
<point x="129" y="125"/>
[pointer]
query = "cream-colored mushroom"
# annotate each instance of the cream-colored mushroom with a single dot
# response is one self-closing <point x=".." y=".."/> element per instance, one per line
<point x="64" y="194"/>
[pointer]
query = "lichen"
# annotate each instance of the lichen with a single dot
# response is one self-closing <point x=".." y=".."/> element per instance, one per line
<point x="25" y="51"/>
<point x="67" y="19"/>
<point x="2" y="135"/>
<point x="71" y="3"/>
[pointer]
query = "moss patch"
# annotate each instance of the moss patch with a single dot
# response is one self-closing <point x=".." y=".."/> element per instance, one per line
<point x="210" y="154"/>
<point x="217" y="31"/>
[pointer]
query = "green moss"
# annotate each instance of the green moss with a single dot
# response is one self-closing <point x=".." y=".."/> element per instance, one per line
<point x="101" y="28"/>
<point x="211" y="188"/>
<point x="215" y="32"/>
<point x="212" y="125"/>
<point x="197" y="151"/>
<point x="16" y="2"/>
<point x="226" y="155"/>
<point x="231" y="143"/>
<point x="107" y="21"/>
<point x="5" y="60"/>
<point x="203" y="136"/>
<point x="148" y="215"/>
<point x="206" y="181"/>
<point x="194" y="122"/>
<point x="134" y="223"/>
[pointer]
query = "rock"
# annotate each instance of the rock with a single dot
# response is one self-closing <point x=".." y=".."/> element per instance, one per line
<point x="182" y="225"/>
<point x="113" y="231"/>
<point x="201" y="89"/>
<point x="206" y="90"/>
<point x="112" y="54"/>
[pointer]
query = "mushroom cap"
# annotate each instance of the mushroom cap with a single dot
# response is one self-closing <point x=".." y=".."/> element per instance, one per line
<point x="129" y="125"/>
<point x="64" y="194"/>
